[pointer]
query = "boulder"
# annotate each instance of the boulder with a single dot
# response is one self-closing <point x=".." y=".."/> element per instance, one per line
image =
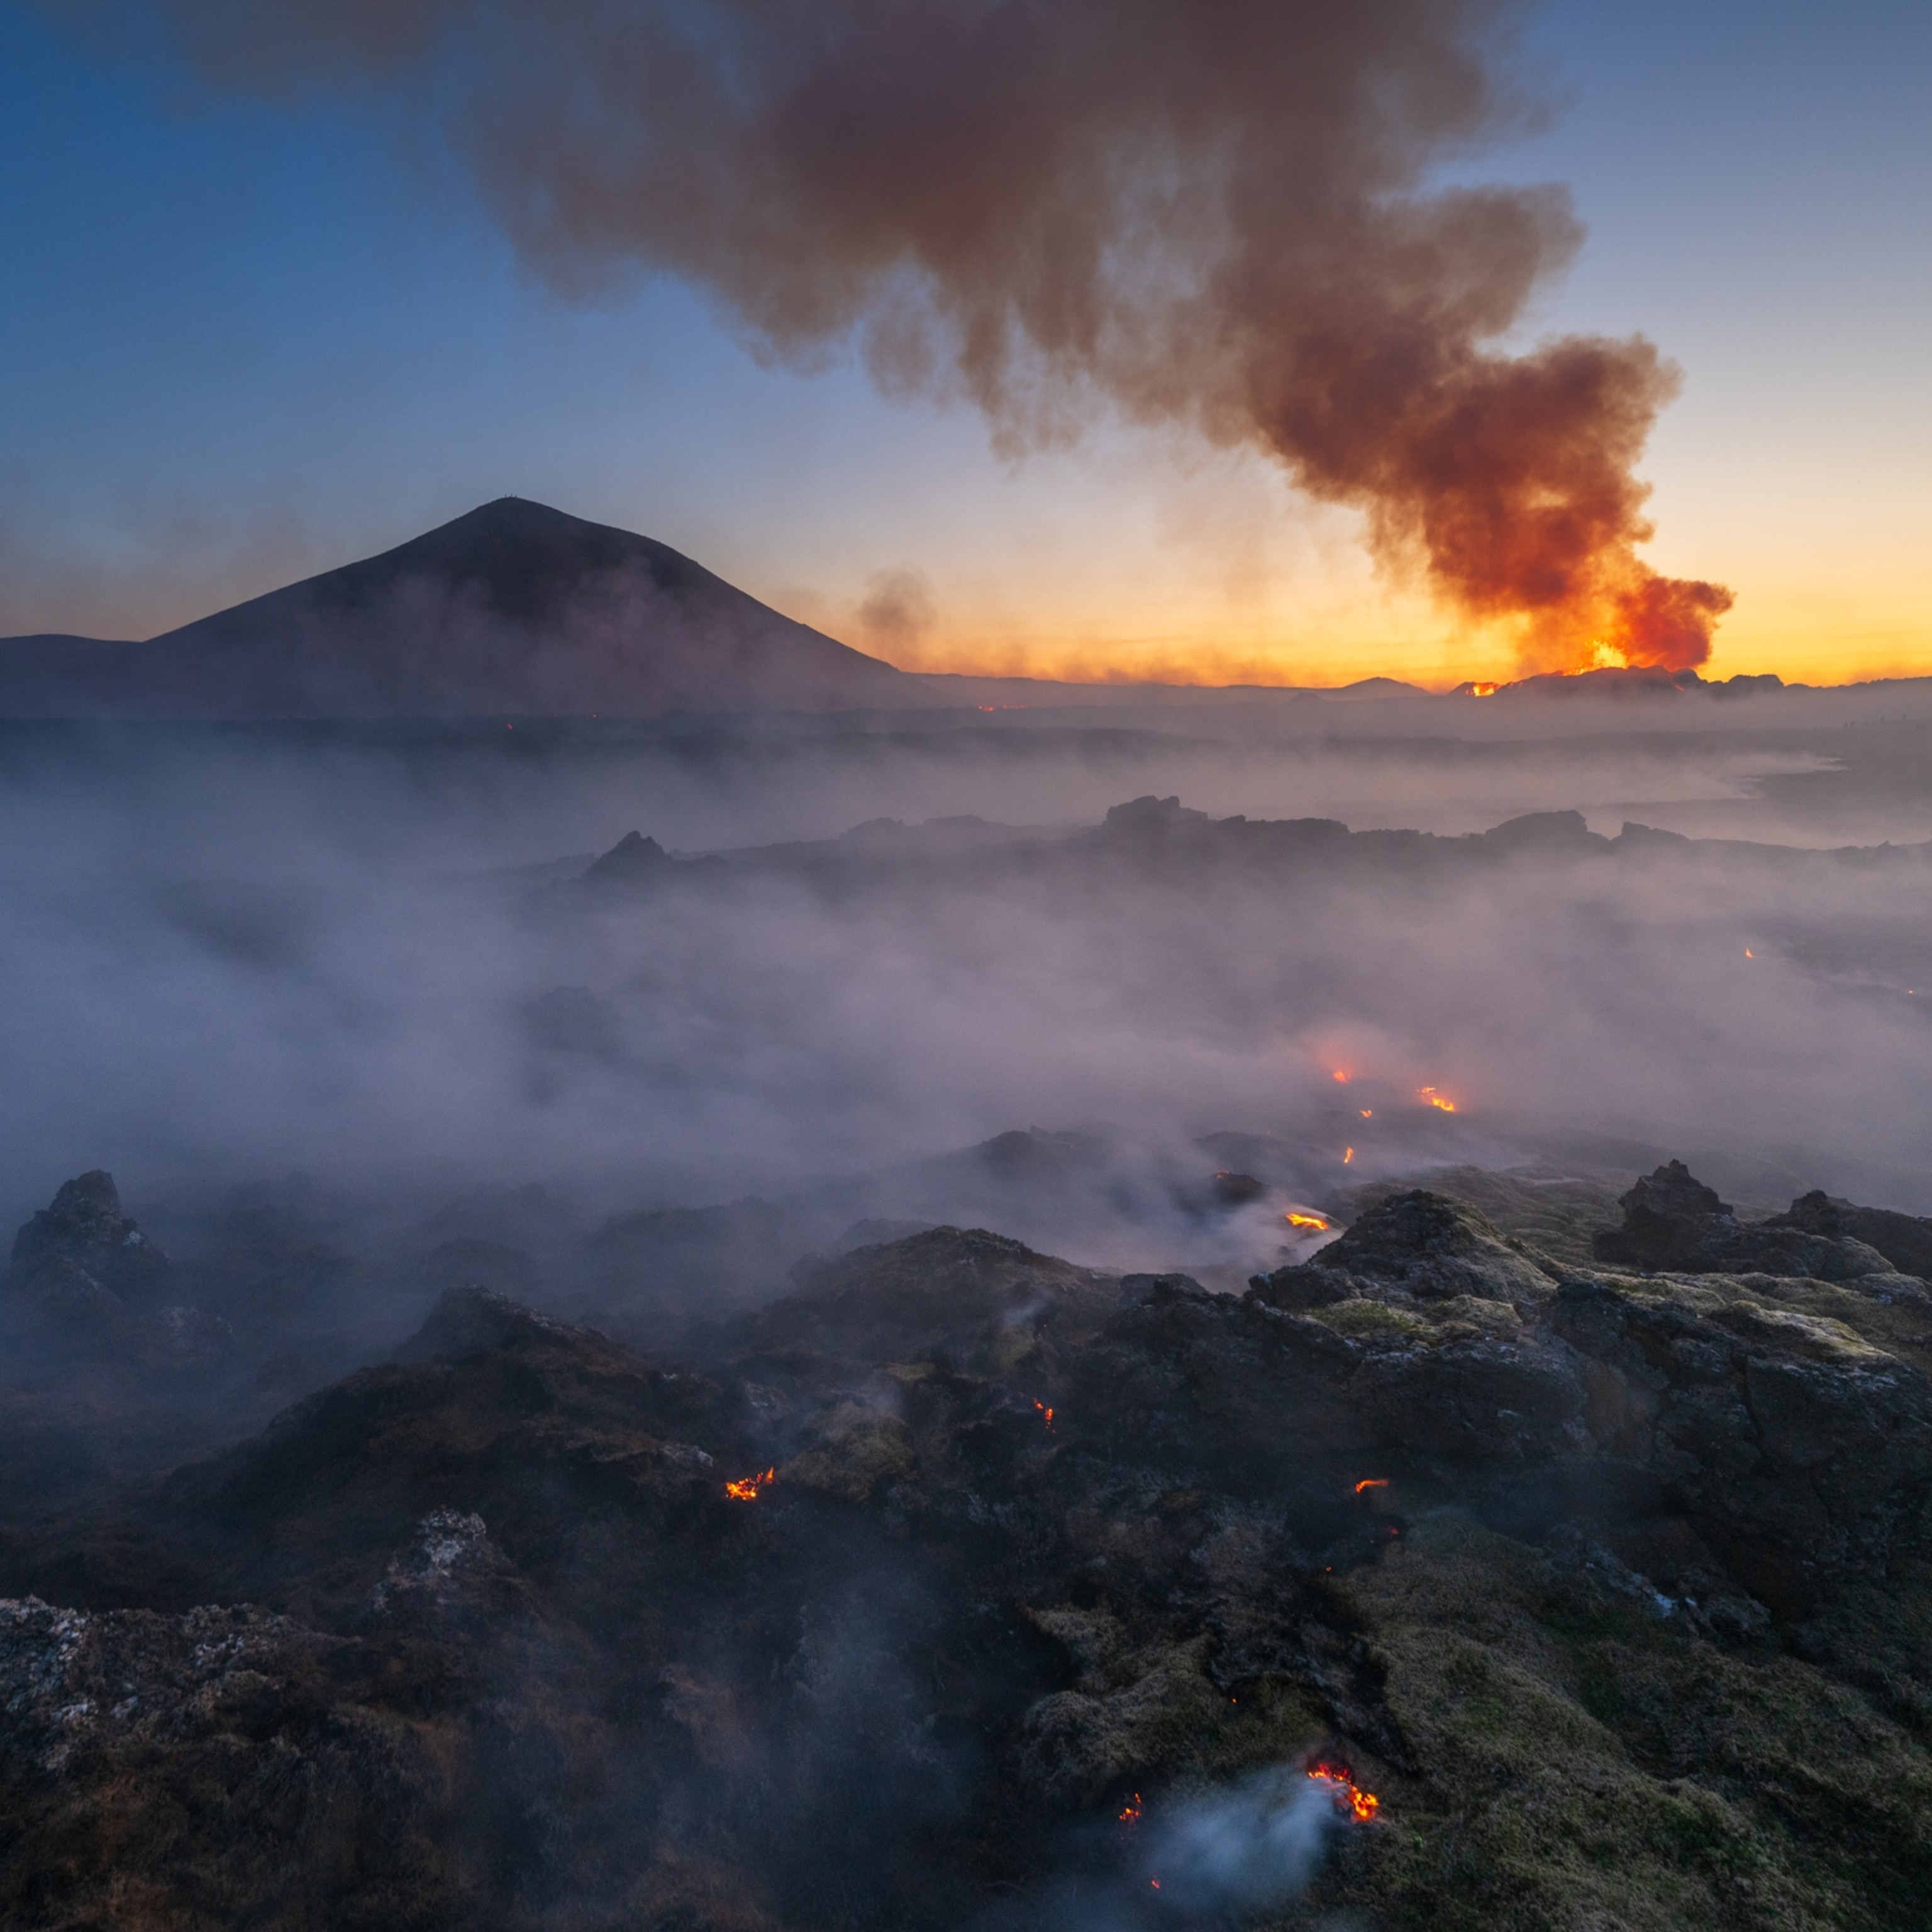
<point x="1673" y="1222"/>
<point x="1417" y="1247"/>
<point x="1798" y="1450"/>
<point x="86" y="1227"/>
<point x="1905" y="1241"/>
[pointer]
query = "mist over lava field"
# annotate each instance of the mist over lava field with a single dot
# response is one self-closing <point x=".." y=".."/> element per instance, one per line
<point x="870" y="1321"/>
<point x="362" y="953"/>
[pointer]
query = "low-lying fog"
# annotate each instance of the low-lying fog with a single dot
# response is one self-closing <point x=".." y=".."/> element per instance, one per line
<point x="363" y="958"/>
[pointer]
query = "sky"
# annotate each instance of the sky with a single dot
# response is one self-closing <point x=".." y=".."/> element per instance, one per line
<point x="244" y="341"/>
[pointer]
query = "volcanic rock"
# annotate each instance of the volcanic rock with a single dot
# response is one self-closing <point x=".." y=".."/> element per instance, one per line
<point x="971" y="1301"/>
<point x="84" y="1278"/>
<point x="1905" y="1241"/>
<point x="471" y="1320"/>
<point x="85" y="1227"/>
<point x="940" y="1566"/>
<point x="1416" y="1247"/>
<point x="633" y="858"/>
<point x="1794" y="1446"/>
<point x="1673" y="1222"/>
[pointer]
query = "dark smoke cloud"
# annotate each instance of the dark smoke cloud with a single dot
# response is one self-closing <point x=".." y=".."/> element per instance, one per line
<point x="1213" y="213"/>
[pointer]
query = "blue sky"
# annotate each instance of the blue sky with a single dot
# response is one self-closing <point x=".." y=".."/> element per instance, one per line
<point x="238" y="343"/>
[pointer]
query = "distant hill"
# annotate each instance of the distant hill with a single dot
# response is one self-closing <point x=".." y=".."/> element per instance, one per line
<point x="515" y="608"/>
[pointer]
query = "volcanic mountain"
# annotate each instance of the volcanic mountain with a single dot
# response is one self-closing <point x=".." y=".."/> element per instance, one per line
<point x="515" y="608"/>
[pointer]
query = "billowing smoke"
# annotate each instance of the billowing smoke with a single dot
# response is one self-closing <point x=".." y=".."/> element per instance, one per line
<point x="1221" y="215"/>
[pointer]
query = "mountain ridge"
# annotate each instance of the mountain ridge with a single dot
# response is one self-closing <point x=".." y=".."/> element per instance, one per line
<point x="512" y="608"/>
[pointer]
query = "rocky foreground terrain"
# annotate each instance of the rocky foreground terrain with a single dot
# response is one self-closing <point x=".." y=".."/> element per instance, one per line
<point x="963" y="1586"/>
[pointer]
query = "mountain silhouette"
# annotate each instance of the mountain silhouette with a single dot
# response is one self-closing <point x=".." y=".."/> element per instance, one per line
<point x="515" y="608"/>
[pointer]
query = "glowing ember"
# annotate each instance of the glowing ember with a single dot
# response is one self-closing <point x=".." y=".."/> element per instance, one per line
<point x="1436" y="1099"/>
<point x="1314" y="1221"/>
<point x="1349" y="1795"/>
<point x="1371" y="1483"/>
<point x="1749" y="954"/>
<point x="1342" y="1074"/>
<point x="1368" y="1113"/>
<point x="1130" y="1812"/>
<point x="746" y="1491"/>
<point x="1046" y="1414"/>
<point x="1348" y="1155"/>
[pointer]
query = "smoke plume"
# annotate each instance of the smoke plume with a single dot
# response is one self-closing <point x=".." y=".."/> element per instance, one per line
<point x="1220" y="214"/>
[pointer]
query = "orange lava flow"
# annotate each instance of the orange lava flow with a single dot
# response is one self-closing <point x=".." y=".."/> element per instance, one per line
<point x="1348" y="1155"/>
<point x="1306" y="1221"/>
<point x="1363" y="1804"/>
<point x="1436" y="1099"/>
<point x="1130" y="1812"/>
<point x="1046" y="1414"/>
<point x="1482" y="690"/>
<point x="746" y="1491"/>
<point x="1371" y="1483"/>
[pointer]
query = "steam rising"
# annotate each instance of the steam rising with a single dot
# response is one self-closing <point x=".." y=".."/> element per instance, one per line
<point x="231" y="955"/>
<point x="1220" y="215"/>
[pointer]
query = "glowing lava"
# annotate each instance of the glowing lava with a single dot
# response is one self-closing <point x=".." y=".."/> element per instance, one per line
<point x="1436" y="1099"/>
<point x="1314" y="1221"/>
<point x="746" y="1490"/>
<point x="1348" y="1155"/>
<point x="1130" y="1812"/>
<point x="1046" y="1414"/>
<point x="1349" y="1795"/>
<point x="1371" y="1483"/>
<point x="1342" y="1074"/>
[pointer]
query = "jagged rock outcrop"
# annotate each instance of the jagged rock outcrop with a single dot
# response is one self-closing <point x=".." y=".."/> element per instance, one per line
<point x="1417" y="1247"/>
<point x="1905" y="1241"/>
<point x="962" y="1548"/>
<point x="85" y="1227"/>
<point x="634" y="858"/>
<point x="962" y="1298"/>
<point x="1673" y="1222"/>
<point x="83" y="1276"/>
<point x="1793" y="1445"/>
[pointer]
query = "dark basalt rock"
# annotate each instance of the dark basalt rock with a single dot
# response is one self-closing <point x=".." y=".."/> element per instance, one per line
<point x="1672" y="1223"/>
<point x="84" y="1278"/>
<point x="1025" y="1541"/>
<point x="632" y="859"/>
<point x="85" y="1227"/>
<point x="1418" y="1246"/>
<point x="1905" y="1241"/>
<point x="1670" y="1217"/>
<point x="1794" y="1446"/>
<point x="471" y="1319"/>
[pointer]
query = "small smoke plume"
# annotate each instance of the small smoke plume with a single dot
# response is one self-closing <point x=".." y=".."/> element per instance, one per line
<point x="1247" y="1848"/>
<point x="898" y="611"/>
<point x="1218" y="1857"/>
<point x="1216" y="214"/>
